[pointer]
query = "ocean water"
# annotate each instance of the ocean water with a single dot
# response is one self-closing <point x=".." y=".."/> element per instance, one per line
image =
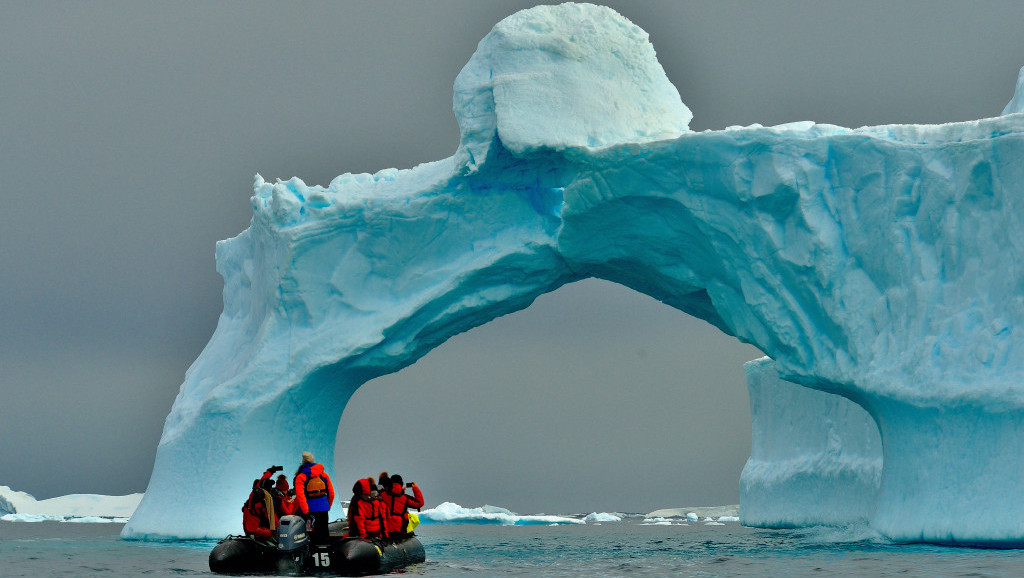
<point x="627" y="548"/>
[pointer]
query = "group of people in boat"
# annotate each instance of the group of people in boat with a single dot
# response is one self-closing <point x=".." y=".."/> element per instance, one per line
<point x="376" y="511"/>
<point x="382" y="511"/>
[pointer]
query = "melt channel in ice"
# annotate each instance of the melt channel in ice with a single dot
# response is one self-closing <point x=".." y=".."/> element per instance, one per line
<point x="882" y="264"/>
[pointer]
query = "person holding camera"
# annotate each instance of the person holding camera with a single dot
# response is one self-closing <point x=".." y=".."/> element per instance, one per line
<point x="314" y="494"/>
<point x="398" y="503"/>
<point x="259" y="514"/>
<point x="284" y="497"/>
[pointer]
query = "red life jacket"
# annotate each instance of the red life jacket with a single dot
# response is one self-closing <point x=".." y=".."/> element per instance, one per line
<point x="368" y="514"/>
<point x="255" y="520"/>
<point x="398" y="503"/>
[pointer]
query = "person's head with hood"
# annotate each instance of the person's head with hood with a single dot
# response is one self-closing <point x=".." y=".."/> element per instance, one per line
<point x="361" y="488"/>
<point x="395" y="487"/>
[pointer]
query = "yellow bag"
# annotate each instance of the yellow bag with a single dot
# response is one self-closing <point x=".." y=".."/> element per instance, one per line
<point x="414" y="520"/>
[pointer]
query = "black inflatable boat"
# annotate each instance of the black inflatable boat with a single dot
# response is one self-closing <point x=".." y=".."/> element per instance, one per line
<point x="294" y="554"/>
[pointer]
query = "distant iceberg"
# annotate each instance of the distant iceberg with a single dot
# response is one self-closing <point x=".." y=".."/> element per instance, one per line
<point x="31" y="518"/>
<point x="77" y="507"/>
<point x="67" y="519"/>
<point x="697" y="512"/>
<point x="602" y="517"/>
<point x="705" y="514"/>
<point x="451" y="513"/>
<point x="94" y="520"/>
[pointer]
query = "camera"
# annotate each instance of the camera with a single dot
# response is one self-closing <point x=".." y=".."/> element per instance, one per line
<point x="409" y="485"/>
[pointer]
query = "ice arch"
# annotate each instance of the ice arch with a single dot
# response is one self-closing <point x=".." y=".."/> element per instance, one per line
<point x="880" y="263"/>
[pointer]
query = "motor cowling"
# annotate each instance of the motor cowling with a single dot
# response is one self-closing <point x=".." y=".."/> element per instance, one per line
<point x="292" y="534"/>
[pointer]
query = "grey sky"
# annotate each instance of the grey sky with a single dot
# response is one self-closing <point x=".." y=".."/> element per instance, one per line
<point x="131" y="133"/>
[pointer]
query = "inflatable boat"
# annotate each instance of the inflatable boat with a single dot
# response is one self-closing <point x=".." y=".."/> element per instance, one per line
<point x="295" y="554"/>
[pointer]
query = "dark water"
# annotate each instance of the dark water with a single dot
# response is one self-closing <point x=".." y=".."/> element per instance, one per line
<point x="612" y="549"/>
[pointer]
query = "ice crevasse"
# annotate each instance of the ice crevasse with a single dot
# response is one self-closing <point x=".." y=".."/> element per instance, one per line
<point x="882" y="264"/>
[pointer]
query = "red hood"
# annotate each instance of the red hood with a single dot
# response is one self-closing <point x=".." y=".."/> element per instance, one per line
<point x="315" y="470"/>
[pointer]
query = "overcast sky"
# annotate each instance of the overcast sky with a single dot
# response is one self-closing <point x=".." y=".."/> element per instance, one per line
<point x="130" y="136"/>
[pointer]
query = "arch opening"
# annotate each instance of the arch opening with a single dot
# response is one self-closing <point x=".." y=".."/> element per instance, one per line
<point x="595" y="397"/>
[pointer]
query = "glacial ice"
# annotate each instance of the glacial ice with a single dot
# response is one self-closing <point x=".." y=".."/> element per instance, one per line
<point x="598" y="517"/>
<point x="451" y="513"/>
<point x="881" y="264"/>
<point x="6" y="507"/>
<point x="815" y="457"/>
<point x="1016" y="104"/>
<point x="25" y="506"/>
<point x="694" y="513"/>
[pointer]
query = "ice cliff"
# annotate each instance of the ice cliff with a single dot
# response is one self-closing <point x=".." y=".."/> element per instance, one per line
<point x="6" y="507"/>
<point x="882" y="264"/>
<point x="816" y="457"/>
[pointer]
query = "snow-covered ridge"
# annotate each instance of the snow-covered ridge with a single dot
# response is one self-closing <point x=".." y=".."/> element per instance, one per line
<point x="883" y="264"/>
<point x="70" y="508"/>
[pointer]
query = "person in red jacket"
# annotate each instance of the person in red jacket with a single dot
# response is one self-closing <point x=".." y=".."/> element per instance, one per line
<point x="398" y="503"/>
<point x="367" y="513"/>
<point x="314" y="494"/>
<point x="255" y="519"/>
<point x="259" y="519"/>
<point x="284" y="501"/>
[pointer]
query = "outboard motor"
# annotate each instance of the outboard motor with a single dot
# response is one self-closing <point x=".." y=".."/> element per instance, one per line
<point x="291" y="535"/>
<point x="292" y="544"/>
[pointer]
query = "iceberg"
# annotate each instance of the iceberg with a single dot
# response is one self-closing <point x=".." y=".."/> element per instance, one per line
<point x="25" y="507"/>
<point x="31" y="518"/>
<point x="598" y="517"/>
<point x="695" y="513"/>
<point x="451" y="513"/>
<point x="94" y="520"/>
<point x="880" y="264"/>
